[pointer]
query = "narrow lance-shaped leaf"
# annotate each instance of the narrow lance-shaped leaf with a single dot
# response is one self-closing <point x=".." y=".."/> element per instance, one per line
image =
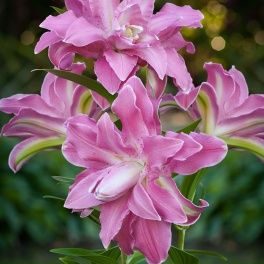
<point x="206" y="253"/>
<point x="63" y="179"/>
<point x="113" y="253"/>
<point x="181" y="257"/>
<point x="84" y="81"/>
<point x="69" y="261"/>
<point x="190" y="128"/>
<point x="53" y="197"/>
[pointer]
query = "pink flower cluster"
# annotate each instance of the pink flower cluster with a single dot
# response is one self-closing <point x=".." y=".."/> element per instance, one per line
<point x="128" y="171"/>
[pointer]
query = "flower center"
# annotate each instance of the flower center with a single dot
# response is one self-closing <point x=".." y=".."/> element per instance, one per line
<point x="118" y="180"/>
<point x="132" y="31"/>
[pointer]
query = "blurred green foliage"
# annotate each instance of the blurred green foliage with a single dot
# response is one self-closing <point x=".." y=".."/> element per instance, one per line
<point x="233" y="34"/>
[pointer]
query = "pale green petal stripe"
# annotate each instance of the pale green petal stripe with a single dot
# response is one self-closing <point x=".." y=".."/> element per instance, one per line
<point x="251" y="144"/>
<point x="34" y="146"/>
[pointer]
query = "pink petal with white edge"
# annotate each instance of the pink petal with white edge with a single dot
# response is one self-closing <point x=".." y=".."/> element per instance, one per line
<point x="241" y="93"/>
<point x="243" y="126"/>
<point x="80" y="197"/>
<point x="106" y="75"/>
<point x="13" y="104"/>
<point x="118" y="180"/>
<point x="24" y="150"/>
<point x="100" y="100"/>
<point x="189" y="146"/>
<point x="46" y="39"/>
<point x="214" y="150"/>
<point x="149" y="241"/>
<point x="251" y="104"/>
<point x="30" y="123"/>
<point x="124" y="238"/>
<point x="121" y="63"/>
<point x="168" y="207"/>
<point x="223" y="84"/>
<point x="191" y="210"/>
<point x="82" y="33"/>
<point x="60" y="23"/>
<point x="146" y="7"/>
<point x="172" y="40"/>
<point x="76" y="6"/>
<point x="70" y="154"/>
<point x="154" y="55"/>
<point x="141" y="204"/>
<point x="111" y="218"/>
<point x="158" y="149"/>
<point x="149" y="108"/>
<point x="178" y="71"/>
<point x="82" y="134"/>
<point x="109" y="137"/>
<point x="105" y="10"/>
<point x="207" y="108"/>
<point x="175" y="16"/>
<point x="61" y="55"/>
<point x="185" y="100"/>
<point x="155" y="86"/>
<point x="124" y="106"/>
<point x="82" y="102"/>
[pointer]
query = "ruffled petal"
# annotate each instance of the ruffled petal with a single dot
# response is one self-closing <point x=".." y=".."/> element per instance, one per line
<point x="141" y="204"/>
<point x="149" y="241"/>
<point x="24" y="150"/>
<point x="111" y="218"/>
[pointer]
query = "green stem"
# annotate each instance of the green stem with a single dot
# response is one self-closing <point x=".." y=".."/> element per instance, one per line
<point x="123" y="258"/>
<point x="181" y="238"/>
<point x="190" y="184"/>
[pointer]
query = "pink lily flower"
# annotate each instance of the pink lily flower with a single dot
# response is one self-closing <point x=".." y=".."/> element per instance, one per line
<point x="39" y="119"/>
<point x="229" y="112"/>
<point x="121" y="36"/>
<point x="128" y="172"/>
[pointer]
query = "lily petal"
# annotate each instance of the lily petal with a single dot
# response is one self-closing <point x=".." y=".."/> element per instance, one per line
<point x="121" y="63"/>
<point x="24" y="150"/>
<point x="82" y="33"/>
<point x="141" y="204"/>
<point x="213" y="151"/>
<point x="80" y="197"/>
<point x="168" y="207"/>
<point x="111" y="218"/>
<point x="148" y="240"/>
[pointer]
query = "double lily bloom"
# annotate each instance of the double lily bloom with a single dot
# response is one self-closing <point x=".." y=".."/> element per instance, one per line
<point x="39" y="119"/>
<point x="129" y="172"/>
<point x="229" y="112"/>
<point x="121" y="37"/>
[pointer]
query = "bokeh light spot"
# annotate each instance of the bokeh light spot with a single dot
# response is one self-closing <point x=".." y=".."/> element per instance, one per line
<point x="218" y="43"/>
<point x="27" y="38"/>
<point x="259" y="38"/>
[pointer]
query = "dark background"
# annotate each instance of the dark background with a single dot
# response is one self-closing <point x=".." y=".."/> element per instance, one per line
<point x="31" y="225"/>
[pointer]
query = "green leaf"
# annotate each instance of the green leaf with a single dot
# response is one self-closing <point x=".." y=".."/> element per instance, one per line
<point x="137" y="258"/>
<point x="181" y="257"/>
<point x="118" y="124"/>
<point x="77" y="252"/>
<point x="206" y="253"/>
<point x="63" y="179"/>
<point x="84" y="81"/>
<point x="68" y="261"/>
<point x="59" y="10"/>
<point x="190" y="128"/>
<point x="190" y="183"/>
<point x="53" y="197"/>
<point x="113" y="253"/>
